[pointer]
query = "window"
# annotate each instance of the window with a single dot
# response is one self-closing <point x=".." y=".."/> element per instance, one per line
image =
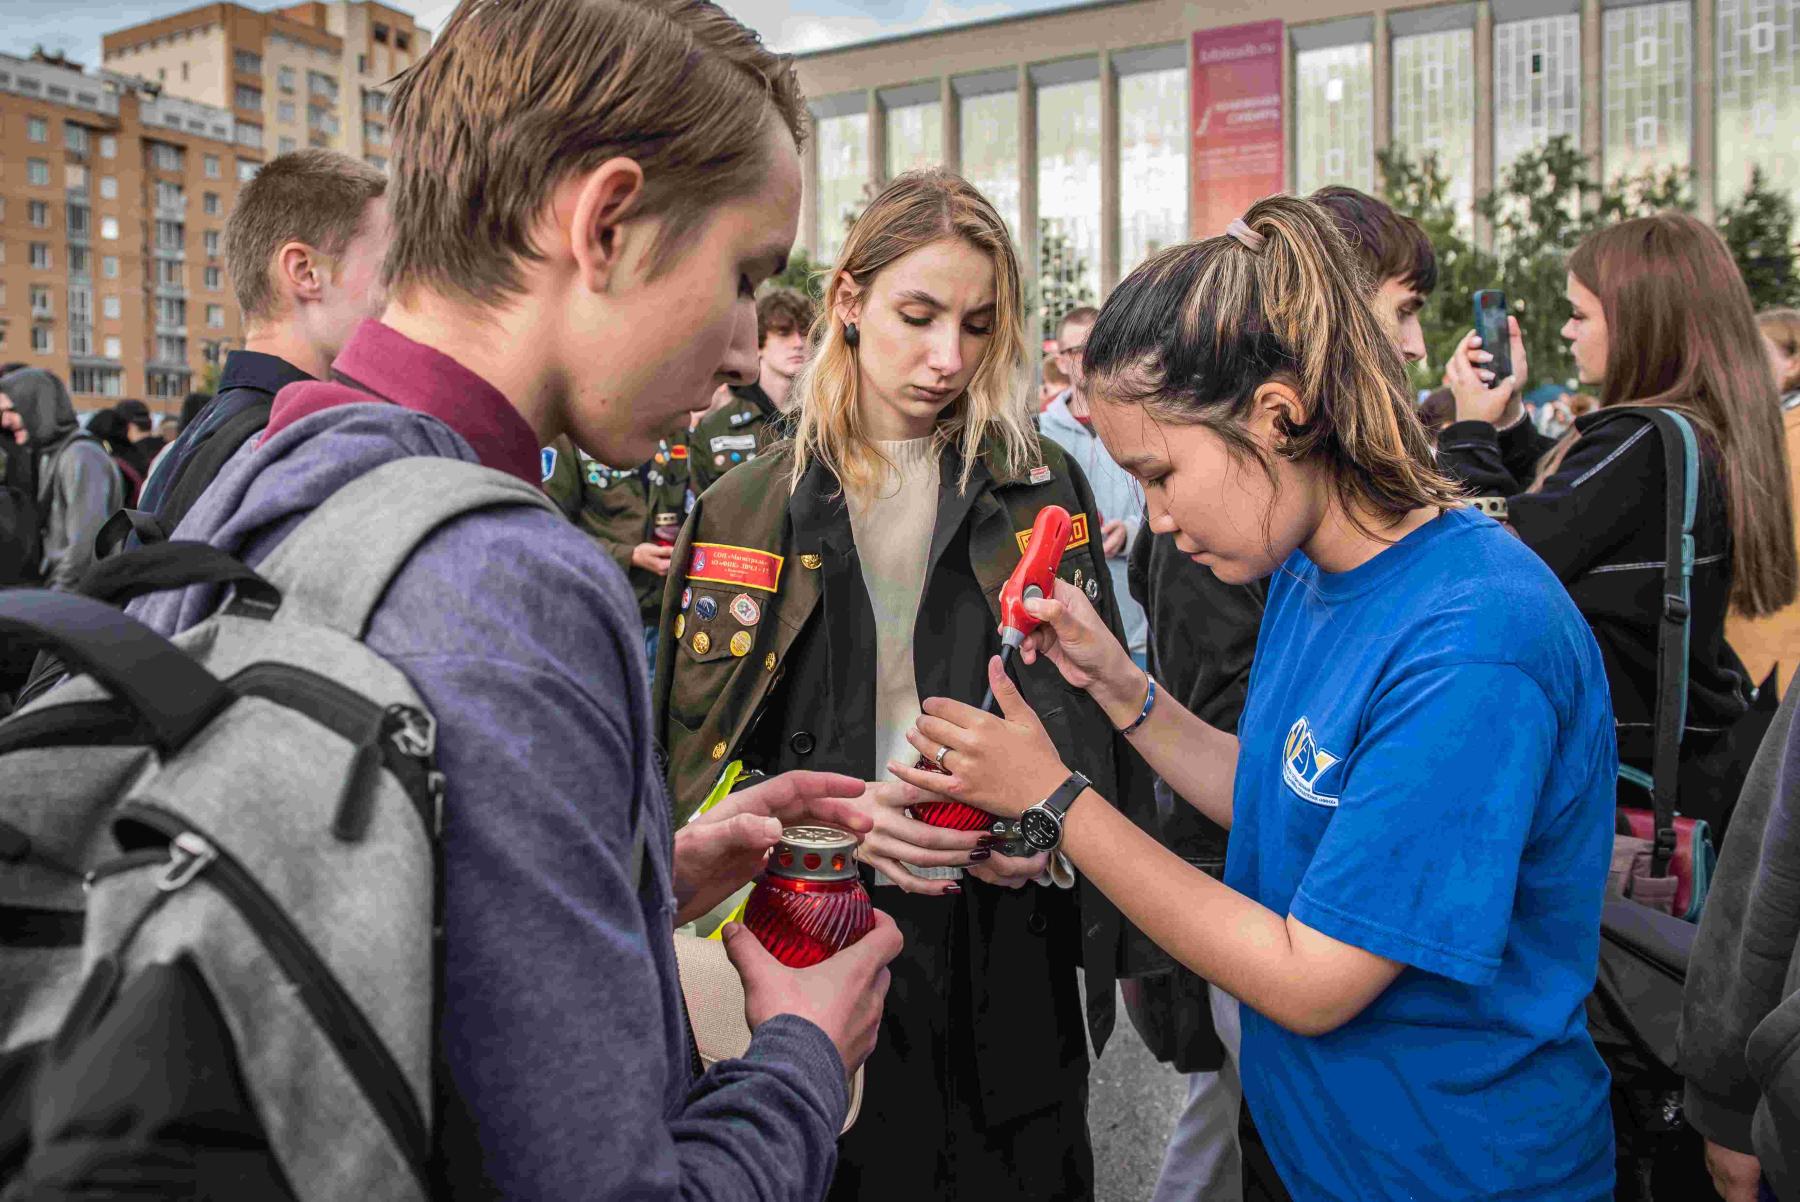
<point x="247" y="61"/>
<point x="1068" y="174"/>
<point x="375" y="104"/>
<point x="286" y="113"/>
<point x="171" y="348"/>
<point x="109" y="264"/>
<point x="402" y="42"/>
<point x="1153" y="172"/>
<point x="287" y="146"/>
<point x="112" y="348"/>
<point x="170" y="196"/>
<point x="110" y="309"/>
<point x="843" y="172"/>
<point x="246" y="169"/>
<point x="81" y="305"/>
<point x="373" y="134"/>
<point x="75" y="138"/>
<point x="1433" y="107"/>
<point x="75" y="176"/>
<point x="249" y="135"/>
<point x="1334" y="127"/>
<point x="38" y="213"/>
<point x="209" y="204"/>
<point x="170" y="274"/>
<point x="109" y="230"/>
<point x="40" y="301"/>
<point x="915" y="131"/>
<point x="164" y="157"/>
<point x="1758" y="101"/>
<point x="81" y="341"/>
<point x="78" y="261"/>
<point x="322" y="85"/>
<point x="284" y="79"/>
<point x="1648" y="56"/>
<point x="79" y="218"/>
<point x="215" y="279"/>
<point x="215" y="316"/>
<point x="40" y="256"/>
<point x="381" y="33"/>
<point x="109" y="187"/>
<point x="248" y="98"/>
<point x="1537" y="85"/>
<point x="211" y="163"/>
<point x="37" y="129"/>
<point x="37" y="172"/>
<point x="990" y="140"/>
<point x="43" y="340"/>
<point x="170" y="235"/>
<point x="171" y="311"/>
<point x="212" y="243"/>
<point x="322" y="121"/>
<point x="109" y="146"/>
<point x="97" y="381"/>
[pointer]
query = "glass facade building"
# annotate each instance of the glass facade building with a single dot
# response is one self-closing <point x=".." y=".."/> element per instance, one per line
<point x="1537" y="84"/>
<point x="1153" y="163"/>
<point x="1068" y="172"/>
<point x="1334" y="115"/>
<point x="1758" y="84"/>
<point x="1648" y="87"/>
<point x="1434" y="105"/>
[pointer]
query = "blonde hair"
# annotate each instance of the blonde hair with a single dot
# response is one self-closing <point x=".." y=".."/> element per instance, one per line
<point x="1193" y="333"/>
<point x="991" y="416"/>
<point x="1782" y="327"/>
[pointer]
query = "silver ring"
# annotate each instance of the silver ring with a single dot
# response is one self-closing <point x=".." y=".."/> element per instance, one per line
<point x="939" y="757"/>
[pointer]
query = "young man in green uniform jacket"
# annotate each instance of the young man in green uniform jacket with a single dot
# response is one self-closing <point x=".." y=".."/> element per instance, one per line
<point x="739" y="432"/>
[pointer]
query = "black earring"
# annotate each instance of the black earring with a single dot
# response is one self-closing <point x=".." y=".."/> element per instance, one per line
<point x="852" y="335"/>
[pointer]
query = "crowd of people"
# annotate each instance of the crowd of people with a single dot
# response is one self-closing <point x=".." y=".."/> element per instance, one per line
<point x="1324" y="745"/>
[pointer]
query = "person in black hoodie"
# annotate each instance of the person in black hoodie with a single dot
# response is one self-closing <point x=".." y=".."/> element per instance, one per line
<point x="77" y="484"/>
<point x="1660" y="317"/>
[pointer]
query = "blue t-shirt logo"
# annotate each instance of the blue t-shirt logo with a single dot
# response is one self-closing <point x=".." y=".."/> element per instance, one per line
<point x="1304" y="763"/>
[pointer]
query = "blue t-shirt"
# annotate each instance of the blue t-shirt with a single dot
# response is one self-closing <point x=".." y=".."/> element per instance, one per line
<point x="1426" y="772"/>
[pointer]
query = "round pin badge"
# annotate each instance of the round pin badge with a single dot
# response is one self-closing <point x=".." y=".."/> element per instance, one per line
<point x="1093" y="589"/>
<point x="718" y="751"/>
<point x="811" y="561"/>
<point x="1077" y="581"/>
<point x="740" y="643"/>
<point x="769" y="662"/>
<point x="702" y="642"/>
<point x="680" y="624"/>
<point x="687" y="598"/>
<point x="718" y="461"/>
<point x="745" y="610"/>
<point x="706" y="609"/>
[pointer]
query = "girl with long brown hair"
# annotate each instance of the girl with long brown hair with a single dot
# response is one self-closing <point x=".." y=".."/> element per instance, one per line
<point x="1659" y="316"/>
<point x="1419" y="792"/>
<point x="820" y="591"/>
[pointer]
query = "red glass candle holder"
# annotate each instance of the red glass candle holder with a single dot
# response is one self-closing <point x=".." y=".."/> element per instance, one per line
<point x="809" y="904"/>
<point x="952" y="815"/>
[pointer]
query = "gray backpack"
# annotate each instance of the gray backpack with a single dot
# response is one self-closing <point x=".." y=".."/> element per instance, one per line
<point x="220" y="886"/>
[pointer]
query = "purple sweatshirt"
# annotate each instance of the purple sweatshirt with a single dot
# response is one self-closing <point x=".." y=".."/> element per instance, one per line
<point x="564" y="1038"/>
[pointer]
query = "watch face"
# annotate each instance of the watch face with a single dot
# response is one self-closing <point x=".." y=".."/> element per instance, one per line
<point x="1040" y="829"/>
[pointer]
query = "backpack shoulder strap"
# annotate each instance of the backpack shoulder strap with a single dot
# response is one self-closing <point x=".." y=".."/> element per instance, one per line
<point x="335" y="566"/>
<point x="1681" y="470"/>
<point x="191" y="477"/>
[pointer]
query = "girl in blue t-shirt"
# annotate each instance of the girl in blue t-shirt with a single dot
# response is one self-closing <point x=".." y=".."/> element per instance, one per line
<point x="1421" y="789"/>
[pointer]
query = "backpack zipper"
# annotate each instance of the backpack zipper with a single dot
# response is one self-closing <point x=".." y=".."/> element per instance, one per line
<point x="368" y="1060"/>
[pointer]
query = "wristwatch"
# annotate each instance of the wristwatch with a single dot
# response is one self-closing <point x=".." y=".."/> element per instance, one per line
<point x="1042" y="824"/>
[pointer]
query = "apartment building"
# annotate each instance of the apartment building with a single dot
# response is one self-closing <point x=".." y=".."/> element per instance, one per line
<point x="113" y="201"/>
<point x="312" y="74"/>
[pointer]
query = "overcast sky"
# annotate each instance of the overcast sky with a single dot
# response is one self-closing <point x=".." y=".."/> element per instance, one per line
<point x="76" y="26"/>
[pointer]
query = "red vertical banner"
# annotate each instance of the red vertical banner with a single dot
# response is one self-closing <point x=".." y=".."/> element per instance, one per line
<point x="1239" y="153"/>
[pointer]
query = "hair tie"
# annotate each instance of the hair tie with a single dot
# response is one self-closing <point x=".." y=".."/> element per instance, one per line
<point x="1253" y="241"/>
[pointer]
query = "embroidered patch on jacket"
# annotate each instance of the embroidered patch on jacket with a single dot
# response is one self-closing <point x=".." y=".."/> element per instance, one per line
<point x="719" y="563"/>
<point x="1078" y="534"/>
<point x="1040" y="474"/>
<point x="547" y="460"/>
<point x="1304" y="765"/>
<point x="733" y="442"/>
<point x="678" y="451"/>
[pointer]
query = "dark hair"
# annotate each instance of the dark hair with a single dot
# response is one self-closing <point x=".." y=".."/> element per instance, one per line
<point x="782" y="311"/>
<point x="109" y="428"/>
<point x="1194" y="333"/>
<point x="191" y="405"/>
<point x="1388" y="244"/>
<point x="318" y="197"/>
<point x="1681" y="333"/>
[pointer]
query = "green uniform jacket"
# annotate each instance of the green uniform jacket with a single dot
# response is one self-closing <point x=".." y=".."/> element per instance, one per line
<point x="622" y="507"/>
<point x="733" y="435"/>
<point x="767" y="655"/>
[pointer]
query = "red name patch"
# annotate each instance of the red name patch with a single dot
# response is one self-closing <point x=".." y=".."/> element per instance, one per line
<point x="1078" y="534"/>
<point x="678" y="451"/>
<point x="717" y="563"/>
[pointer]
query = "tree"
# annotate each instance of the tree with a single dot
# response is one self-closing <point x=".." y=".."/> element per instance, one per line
<point x="209" y="376"/>
<point x="1062" y="277"/>
<point x="1759" y="229"/>
<point x="803" y="274"/>
<point x="1422" y="191"/>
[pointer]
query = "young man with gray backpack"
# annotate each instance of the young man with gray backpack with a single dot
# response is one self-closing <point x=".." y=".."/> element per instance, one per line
<point x="374" y="625"/>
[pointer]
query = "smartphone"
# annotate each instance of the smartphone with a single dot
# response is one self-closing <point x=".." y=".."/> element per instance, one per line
<point x="1496" y="338"/>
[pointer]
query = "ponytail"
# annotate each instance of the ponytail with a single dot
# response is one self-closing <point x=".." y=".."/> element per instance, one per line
<point x="1193" y="333"/>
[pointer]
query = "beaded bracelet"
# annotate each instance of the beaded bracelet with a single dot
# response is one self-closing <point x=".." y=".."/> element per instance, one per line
<point x="1149" y="703"/>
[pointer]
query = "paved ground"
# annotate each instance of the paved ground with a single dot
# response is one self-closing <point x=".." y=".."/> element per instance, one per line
<point x="1132" y="1105"/>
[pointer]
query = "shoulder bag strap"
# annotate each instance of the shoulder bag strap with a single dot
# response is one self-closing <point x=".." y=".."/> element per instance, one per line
<point x="1681" y="469"/>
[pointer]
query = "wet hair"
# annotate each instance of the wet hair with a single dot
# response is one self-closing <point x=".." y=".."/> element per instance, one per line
<point x="1194" y="332"/>
<point x="1387" y="244"/>
<point x="1681" y="334"/>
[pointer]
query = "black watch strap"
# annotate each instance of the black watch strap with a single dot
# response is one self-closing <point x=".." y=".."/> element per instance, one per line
<point x="1059" y="802"/>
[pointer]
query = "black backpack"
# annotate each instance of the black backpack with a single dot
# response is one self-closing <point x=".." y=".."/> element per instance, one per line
<point x="21" y="524"/>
